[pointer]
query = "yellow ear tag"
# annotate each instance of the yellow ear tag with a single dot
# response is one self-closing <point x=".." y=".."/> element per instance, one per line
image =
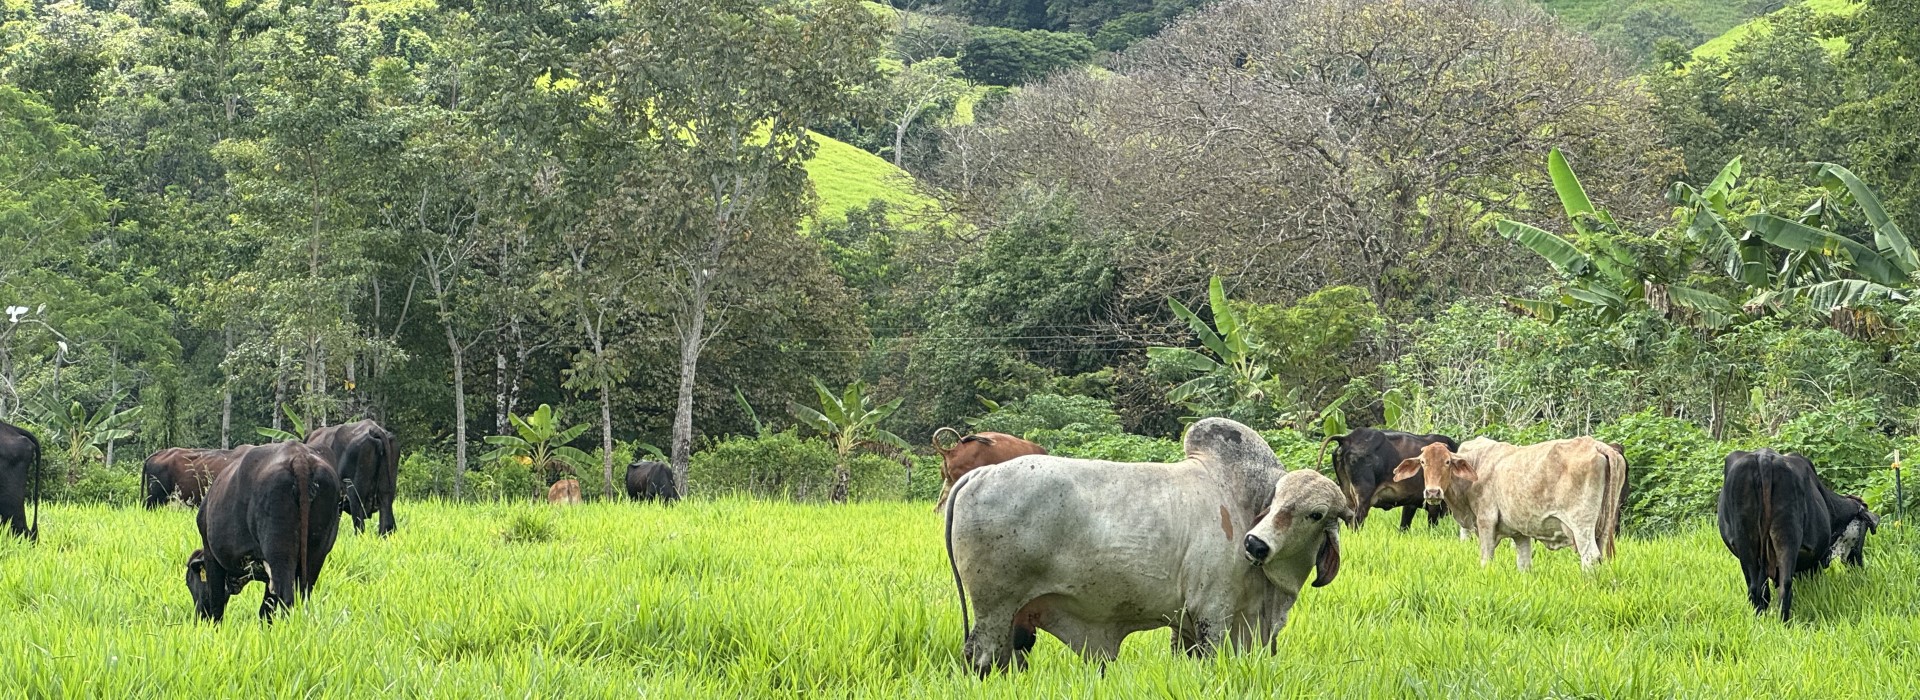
<point x="203" y="575"/>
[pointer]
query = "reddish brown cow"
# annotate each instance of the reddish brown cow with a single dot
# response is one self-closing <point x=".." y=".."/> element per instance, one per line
<point x="976" y="451"/>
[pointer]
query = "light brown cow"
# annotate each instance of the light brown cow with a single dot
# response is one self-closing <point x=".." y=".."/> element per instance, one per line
<point x="976" y="451"/>
<point x="1560" y="492"/>
<point x="564" y="492"/>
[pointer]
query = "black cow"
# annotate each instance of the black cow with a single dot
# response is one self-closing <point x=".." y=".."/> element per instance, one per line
<point x="1364" y="463"/>
<point x="270" y="518"/>
<point x="369" y="466"/>
<point x="19" y="451"/>
<point x="1779" y="519"/>
<point x="648" y="480"/>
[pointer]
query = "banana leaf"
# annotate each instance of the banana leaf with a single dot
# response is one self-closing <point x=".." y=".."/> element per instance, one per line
<point x="1558" y="252"/>
<point x="1886" y="233"/>
<point x="1794" y="235"/>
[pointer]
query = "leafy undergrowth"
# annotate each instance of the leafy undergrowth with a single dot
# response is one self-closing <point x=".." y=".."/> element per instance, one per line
<point x="1720" y="46"/>
<point x="737" y="598"/>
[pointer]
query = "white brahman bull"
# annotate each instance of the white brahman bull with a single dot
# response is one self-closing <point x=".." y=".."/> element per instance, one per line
<point x="1217" y="544"/>
<point x="1559" y="492"/>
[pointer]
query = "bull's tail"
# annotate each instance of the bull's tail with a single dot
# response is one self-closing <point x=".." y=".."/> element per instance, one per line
<point x="1606" y="529"/>
<point x="389" y="476"/>
<point x="936" y="439"/>
<point x="966" y="621"/>
<point x="39" y="471"/>
<point x="303" y="482"/>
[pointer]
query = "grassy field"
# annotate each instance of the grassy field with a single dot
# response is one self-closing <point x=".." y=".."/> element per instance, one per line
<point x="846" y="177"/>
<point x="743" y="599"/>
<point x="1720" y="46"/>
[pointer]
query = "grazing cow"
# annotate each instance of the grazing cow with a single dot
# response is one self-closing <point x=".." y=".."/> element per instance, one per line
<point x="1364" y="460"/>
<point x="184" y="472"/>
<point x="1559" y="492"/>
<point x="1093" y="551"/>
<point x="19" y="452"/>
<point x="270" y="518"/>
<point x="648" y="481"/>
<point x="973" y="452"/>
<point x="564" y="492"/>
<point x="1779" y="519"/>
<point x="369" y="466"/>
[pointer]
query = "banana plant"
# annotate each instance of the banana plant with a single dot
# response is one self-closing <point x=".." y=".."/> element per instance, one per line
<point x="541" y="444"/>
<point x="84" y="436"/>
<point x="1234" y="352"/>
<point x="298" y="434"/>
<point x="1781" y="259"/>
<point x="848" y="423"/>
<point x="1598" y="271"/>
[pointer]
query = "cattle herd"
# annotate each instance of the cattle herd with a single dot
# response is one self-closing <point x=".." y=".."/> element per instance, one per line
<point x="1216" y="546"/>
<point x="268" y="513"/>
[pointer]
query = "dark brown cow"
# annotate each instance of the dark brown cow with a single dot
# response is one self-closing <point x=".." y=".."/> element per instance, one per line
<point x="185" y="472"/>
<point x="648" y="480"/>
<point x="1779" y="519"/>
<point x="369" y="464"/>
<point x="976" y="451"/>
<point x="1363" y="461"/>
<point x="19" y="452"/>
<point x="270" y="517"/>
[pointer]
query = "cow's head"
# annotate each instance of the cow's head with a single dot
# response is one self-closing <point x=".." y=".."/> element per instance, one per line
<point x="1300" y="529"/>
<point x="1441" y="468"/>
<point x="1853" y="522"/>
<point x="197" y="580"/>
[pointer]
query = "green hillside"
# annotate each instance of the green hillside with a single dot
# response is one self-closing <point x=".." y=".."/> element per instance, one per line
<point x="1720" y="45"/>
<point x="1638" y="27"/>
<point x="846" y="177"/>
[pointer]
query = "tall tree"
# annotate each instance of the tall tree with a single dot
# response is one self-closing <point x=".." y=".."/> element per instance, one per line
<point x="720" y="95"/>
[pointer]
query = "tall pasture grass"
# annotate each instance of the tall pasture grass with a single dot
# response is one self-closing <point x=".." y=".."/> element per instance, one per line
<point x="747" y="599"/>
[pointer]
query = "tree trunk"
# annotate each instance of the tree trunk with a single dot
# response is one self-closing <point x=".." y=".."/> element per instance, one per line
<point x="606" y="437"/>
<point x="459" y="407"/>
<point x="499" y="391"/>
<point x="842" y="476"/>
<point x="690" y="345"/>
<point x="280" y="394"/>
<point x="226" y="393"/>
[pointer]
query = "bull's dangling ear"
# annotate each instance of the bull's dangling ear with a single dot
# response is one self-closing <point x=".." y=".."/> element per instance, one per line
<point x="1462" y="469"/>
<point x="1328" y="564"/>
<point x="1407" y="469"/>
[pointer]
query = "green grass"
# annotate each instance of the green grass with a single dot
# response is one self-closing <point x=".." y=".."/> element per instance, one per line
<point x="744" y="599"/>
<point x="1720" y="46"/>
<point x="1709" y="16"/>
<point x="846" y="177"/>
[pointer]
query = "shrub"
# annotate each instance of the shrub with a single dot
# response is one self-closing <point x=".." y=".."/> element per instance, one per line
<point x="425" y="474"/>
<point x="783" y="465"/>
<point x="505" y="480"/>
<point x="1674" y="470"/>
<point x="1297" y="450"/>
<point x="1842" y="441"/>
<point x="110" y="486"/>
<point x="926" y="482"/>
<point x="1121" y="447"/>
<point x="1029" y="416"/>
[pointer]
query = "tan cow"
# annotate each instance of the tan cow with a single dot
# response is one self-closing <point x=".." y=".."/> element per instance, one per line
<point x="976" y="451"/>
<point x="564" y="492"/>
<point x="1560" y="492"/>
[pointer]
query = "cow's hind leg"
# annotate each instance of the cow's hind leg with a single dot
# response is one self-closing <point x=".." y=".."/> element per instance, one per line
<point x="1406" y="517"/>
<point x="996" y="640"/>
<point x="1755" y="576"/>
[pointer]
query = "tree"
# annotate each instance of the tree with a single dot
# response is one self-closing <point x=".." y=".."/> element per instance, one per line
<point x="849" y="423"/>
<point x="996" y="56"/>
<point x="1234" y="356"/>
<point x="920" y="89"/>
<point x="82" y="437"/>
<point x="719" y="103"/>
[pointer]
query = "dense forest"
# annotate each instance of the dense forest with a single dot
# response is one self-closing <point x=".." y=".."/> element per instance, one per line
<point x="1103" y="217"/>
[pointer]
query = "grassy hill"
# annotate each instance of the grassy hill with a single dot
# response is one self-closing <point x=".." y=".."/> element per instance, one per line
<point x="1710" y="16"/>
<point x="1720" y="45"/>
<point x="846" y="177"/>
<point x="757" y="599"/>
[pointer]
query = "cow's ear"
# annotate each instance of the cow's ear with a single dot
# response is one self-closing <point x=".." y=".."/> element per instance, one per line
<point x="1327" y="565"/>
<point x="1407" y="469"/>
<point x="1462" y="469"/>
